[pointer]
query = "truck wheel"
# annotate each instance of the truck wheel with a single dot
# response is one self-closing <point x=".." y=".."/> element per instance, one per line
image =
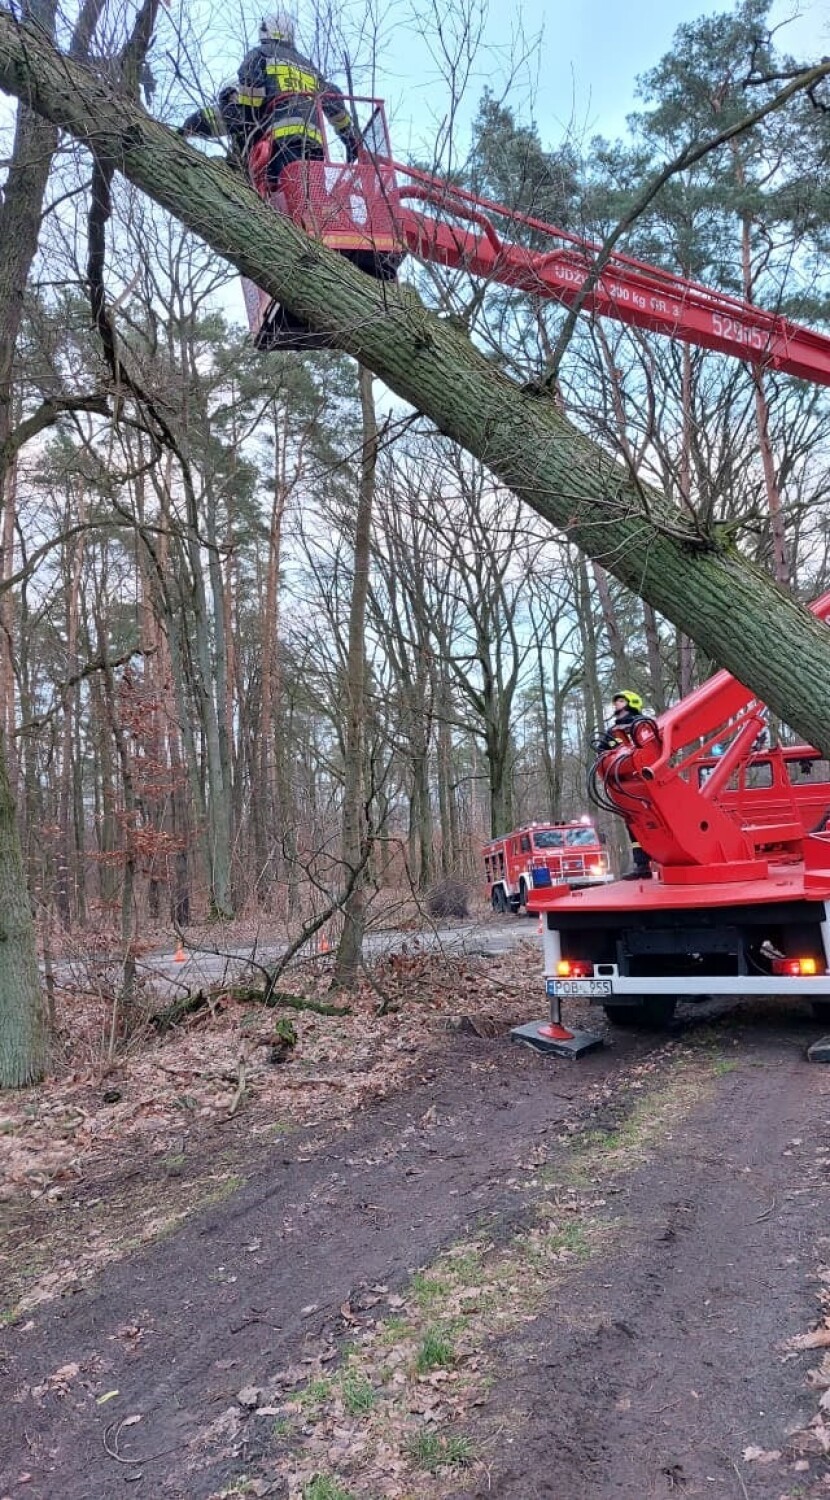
<point x="498" y="899"/>
<point x="522" y="896"/>
<point x="653" y="1012"/>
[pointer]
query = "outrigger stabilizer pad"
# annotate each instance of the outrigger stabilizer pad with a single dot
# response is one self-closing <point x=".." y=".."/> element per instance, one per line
<point x="554" y="1038"/>
<point x="820" y="1050"/>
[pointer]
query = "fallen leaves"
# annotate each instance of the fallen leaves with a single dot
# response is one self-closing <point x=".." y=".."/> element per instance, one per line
<point x="129" y="1334"/>
<point x="59" y="1382"/>
<point x="813" y="1440"/>
<point x="818" y="1338"/>
<point x="160" y="1102"/>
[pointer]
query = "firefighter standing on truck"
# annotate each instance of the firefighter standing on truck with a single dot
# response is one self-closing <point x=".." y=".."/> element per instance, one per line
<point x="278" y="93"/>
<point x="627" y="708"/>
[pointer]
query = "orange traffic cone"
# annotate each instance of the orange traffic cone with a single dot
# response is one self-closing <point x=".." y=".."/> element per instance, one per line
<point x="180" y="957"/>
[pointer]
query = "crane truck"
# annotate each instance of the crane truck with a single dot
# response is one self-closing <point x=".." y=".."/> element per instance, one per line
<point x="738" y="833"/>
<point x="737" y="830"/>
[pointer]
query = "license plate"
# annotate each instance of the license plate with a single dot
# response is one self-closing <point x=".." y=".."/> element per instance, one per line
<point x="590" y="987"/>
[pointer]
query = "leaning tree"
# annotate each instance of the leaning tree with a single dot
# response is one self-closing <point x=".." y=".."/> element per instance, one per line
<point x="696" y="577"/>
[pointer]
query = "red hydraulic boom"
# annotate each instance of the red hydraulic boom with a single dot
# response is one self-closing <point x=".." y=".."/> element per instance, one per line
<point x="368" y="208"/>
<point x="626" y="289"/>
<point x="675" y="781"/>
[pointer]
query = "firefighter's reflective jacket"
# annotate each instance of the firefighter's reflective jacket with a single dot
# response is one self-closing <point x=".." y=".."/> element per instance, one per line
<point x="278" y="90"/>
<point x="225" y="117"/>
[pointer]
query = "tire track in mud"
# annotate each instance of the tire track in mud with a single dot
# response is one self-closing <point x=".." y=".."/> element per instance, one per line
<point x="654" y="1370"/>
<point x="225" y="1301"/>
<point x="257" y="1282"/>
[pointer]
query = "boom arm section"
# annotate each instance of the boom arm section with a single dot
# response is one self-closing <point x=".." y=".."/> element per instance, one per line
<point x="379" y="209"/>
<point x="627" y="289"/>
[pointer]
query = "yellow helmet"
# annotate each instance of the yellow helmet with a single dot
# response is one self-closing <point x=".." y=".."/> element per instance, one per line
<point x="633" y="700"/>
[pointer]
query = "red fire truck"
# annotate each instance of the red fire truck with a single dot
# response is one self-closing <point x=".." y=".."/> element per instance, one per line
<point x="543" y="854"/>
<point x="738" y="899"/>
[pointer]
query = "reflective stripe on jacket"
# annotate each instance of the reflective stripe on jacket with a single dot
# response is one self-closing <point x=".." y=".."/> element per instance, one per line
<point x="279" y="89"/>
<point x="226" y="117"/>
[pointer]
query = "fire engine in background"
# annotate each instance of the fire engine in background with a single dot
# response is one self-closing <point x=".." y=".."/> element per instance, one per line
<point x="539" y="854"/>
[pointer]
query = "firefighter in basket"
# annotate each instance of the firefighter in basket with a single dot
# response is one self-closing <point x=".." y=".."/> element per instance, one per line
<point x="279" y="90"/>
<point x="225" y="117"/>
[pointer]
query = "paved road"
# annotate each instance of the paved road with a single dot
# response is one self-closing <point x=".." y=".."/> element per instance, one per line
<point x="489" y="938"/>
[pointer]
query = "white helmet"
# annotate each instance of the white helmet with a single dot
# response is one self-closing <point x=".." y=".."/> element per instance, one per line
<point x="278" y="27"/>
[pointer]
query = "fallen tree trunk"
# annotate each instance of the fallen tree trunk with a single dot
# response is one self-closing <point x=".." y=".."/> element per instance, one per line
<point x="736" y="613"/>
<point x="170" y="1015"/>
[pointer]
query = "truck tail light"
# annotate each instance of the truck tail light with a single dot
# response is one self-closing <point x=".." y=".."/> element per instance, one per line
<point x="597" y="868"/>
<point x="794" y="967"/>
<point x="574" y="968"/>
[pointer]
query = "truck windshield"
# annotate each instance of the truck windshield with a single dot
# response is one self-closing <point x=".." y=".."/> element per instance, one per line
<point x="579" y="838"/>
<point x="548" y="838"/>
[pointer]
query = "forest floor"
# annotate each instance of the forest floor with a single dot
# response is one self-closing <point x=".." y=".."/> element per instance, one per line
<point x="413" y="1260"/>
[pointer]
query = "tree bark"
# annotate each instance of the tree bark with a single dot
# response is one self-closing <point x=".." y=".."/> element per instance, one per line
<point x="67" y="848"/>
<point x="212" y="657"/>
<point x="778" y="532"/>
<point x="23" y="1019"/>
<point x="126" y="994"/>
<point x="270" y="803"/>
<point x="733" y="610"/>
<point x="591" y="691"/>
<point x="23" y="1031"/>
<point x="8" y="622"/>
<point x="655" y="659"/>
<point x="355" y="829"/>
<point x="613" y="633"/>
<point x="264" y="800"/>
<point x="447" y="799"/>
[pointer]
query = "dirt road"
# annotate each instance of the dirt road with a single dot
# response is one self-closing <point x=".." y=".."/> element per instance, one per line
<point x="518" y="1277"/>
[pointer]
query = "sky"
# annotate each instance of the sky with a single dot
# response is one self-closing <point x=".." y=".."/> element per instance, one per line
<point x="577" y="79"/>
<point x="580" y="80"/>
